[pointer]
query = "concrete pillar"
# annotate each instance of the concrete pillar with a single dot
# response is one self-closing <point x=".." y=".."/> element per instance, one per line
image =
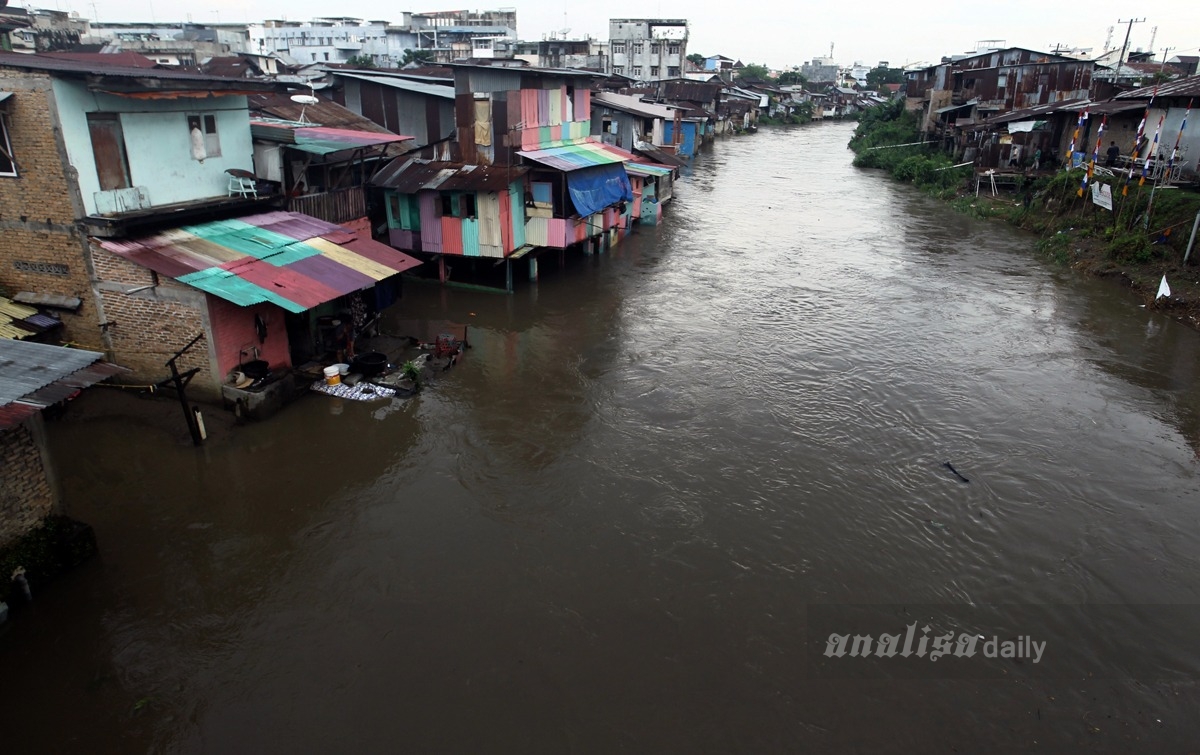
<point x="533" y="269"/>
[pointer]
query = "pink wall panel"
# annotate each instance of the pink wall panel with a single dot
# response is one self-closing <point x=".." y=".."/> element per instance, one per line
<point x="558" y="232"/>
<point x="431" y="224"/>
<point x="233" y="330"/>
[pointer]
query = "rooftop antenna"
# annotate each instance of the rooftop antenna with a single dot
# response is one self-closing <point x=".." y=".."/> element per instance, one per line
<point x="1153" y="34"/>
<point x="1108" y="39"/>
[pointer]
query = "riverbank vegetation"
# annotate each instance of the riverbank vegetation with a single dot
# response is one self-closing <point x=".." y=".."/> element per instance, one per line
<point x="1142" y="238"/>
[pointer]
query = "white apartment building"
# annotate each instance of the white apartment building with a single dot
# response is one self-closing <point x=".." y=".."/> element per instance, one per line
<point x="647" y="49"/>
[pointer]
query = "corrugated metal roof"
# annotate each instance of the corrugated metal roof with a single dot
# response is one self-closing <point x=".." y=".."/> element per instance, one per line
<point x="646" y="169"/>
<point x="410" y="175"/>
<point x="1189" y="87"/>
<point x="18" y="321"/>
<point x="585" y="154"/>
<point x="319" y="140"/>
<point x="631" y="104"/>
<point x="433" y="90"/>
<point x="660" y="156"/>
<point x="27" y="367"/>
<point x="285" y="258"/>
<point x="323" y="113"/>
<point x="60" y="65"/>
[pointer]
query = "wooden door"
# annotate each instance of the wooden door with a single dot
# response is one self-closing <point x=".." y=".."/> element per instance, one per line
<point x="108" y="147"/>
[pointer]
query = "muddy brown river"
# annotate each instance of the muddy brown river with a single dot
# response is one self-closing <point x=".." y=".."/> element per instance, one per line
<point x="631" y="518"/>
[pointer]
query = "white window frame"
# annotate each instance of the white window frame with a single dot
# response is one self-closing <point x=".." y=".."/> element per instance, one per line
<point x="6" y="145"/>
<point x="210" y="143"/>
<point x="618" y="48"/>
<point x="636" y="72"/>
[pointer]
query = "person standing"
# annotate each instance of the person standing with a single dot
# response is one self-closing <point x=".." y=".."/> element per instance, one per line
<point x="1113" y="153"/>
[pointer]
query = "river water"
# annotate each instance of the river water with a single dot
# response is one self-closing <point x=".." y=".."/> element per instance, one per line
<point x="631" y="516"/>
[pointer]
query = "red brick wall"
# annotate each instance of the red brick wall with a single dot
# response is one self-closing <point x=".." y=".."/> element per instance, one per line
<point x="147" y="327"/>
<point x="25" y="493"/>
<point x="37" y="210"/>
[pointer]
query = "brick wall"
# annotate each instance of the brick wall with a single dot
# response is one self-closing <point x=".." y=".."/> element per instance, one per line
<point x="37" y="208"/>
<point x="148" y="327"/>
<point x="25" y="493"/>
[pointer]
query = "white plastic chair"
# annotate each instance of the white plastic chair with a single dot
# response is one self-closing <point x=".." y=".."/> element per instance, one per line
<point x="242" y="183"/>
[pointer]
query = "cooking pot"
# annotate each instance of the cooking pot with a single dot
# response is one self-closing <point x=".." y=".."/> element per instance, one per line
<point x="370" y="364"/>
<point x="257" y="369"/>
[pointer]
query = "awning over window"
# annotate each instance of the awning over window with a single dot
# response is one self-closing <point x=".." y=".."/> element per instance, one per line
<point x="595" y="188"/>
<point x="289" y="259"/>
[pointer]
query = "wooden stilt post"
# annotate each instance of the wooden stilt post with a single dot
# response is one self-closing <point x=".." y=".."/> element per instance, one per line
<point x="508" y="281"/>
<point x="181" y="381"/>
<point x="441" y="269"/>
<point x="533" y="272"/>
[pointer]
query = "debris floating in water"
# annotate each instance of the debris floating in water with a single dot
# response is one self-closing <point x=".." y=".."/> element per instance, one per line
<point x="950" y="466"/>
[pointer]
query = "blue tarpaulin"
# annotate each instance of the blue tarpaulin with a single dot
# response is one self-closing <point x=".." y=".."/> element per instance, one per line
<point x="593" y="189"/>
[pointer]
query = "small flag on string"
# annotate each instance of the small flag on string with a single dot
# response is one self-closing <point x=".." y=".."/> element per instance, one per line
<point x="1163" y="289"/>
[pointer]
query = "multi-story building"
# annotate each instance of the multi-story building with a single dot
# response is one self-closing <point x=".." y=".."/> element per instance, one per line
<point x="444" y="35"/>
<point x="821" y="71"/>
<point x="648" y="49"/>
<point x="559" y="52"/>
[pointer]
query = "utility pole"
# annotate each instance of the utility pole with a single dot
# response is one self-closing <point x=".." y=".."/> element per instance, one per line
<point x="1163" y="64"/>
<point x="1125" y="47"/>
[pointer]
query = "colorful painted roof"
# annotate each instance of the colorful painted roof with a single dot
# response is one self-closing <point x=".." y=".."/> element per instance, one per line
<point x="19" y="321"/>
<point x="289" y="259"/>
<point x="320" y="140"/>
<point x="584" y="154"/>
<point x="647" y="169"/>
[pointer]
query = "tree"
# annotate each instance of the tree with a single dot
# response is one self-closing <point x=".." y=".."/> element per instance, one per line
<point x="791" y="77"/>
<point x="880" y="75"/>
<point x="419" y="57"/>
<point x="754" y="72"/>
<point x="696" y="59"/>
<point x="361" y="61"/>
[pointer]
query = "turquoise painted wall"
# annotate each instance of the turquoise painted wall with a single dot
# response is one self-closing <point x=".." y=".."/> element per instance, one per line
<point x="157" y="142"/>
<point x="516" y="196"/>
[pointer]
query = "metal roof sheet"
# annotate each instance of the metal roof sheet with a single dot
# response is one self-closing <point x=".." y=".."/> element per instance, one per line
<point x="584" y="154"/>
<point x="410" y="175"/>
<point x="631" y="104"/>
<point x="434" y="90"/>
<point x="646" y="169"/>
<point x="27" y="367"/>
<point x="1189" y="87"/>
<point x="659" y="155"/>
<point x="35" y="62"/>
<point x="320" y="140"/>
<point x="286" y="258"/>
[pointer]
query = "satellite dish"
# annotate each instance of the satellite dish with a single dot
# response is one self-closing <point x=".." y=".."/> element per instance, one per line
<point x="304" y="100"/>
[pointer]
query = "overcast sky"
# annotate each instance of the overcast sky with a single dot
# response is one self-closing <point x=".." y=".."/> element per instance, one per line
<point x="774" y="33"/>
